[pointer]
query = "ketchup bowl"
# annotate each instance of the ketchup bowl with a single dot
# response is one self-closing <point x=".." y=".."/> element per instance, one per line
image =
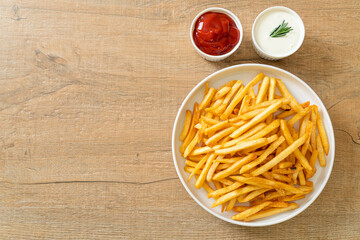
<point x="222" y="40"/>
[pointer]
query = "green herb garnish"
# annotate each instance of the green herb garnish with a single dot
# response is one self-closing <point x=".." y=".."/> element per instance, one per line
<point x="281" y="30"/>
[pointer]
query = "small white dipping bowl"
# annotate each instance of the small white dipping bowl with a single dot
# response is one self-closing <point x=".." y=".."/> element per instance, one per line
<point x="223" y="56"/>
<point x="246" y="72"/>
<point x="301" y="28"/>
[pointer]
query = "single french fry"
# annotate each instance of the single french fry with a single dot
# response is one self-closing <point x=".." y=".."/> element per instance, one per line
<point x="192" y="130"/>
<point x="222" y="92"/>
<point x="263" y="156"/>
<point x="320" y="152"/>
<point x="271" y="211"/>
<point x="244" y="105"/>
<point x="259" y="118"/>
<point x="312" y="162"/>
<point x="227" y="197"/>
<point x="231" y="204"/>
<point x="241" y="146"/>
<point x="206" y="88"/>
<point x="201" y="179"/>
<point x="240" y="95"/>
<point x="322" y="133"/>
<point x="263" y="89"/>
<point x="301" y="176"/>
<point x="186" y="127"/>
<point x="308" y="128"/>
<point x="272" y="89"/>
<point x="281" y="156"/>
<point x="191" y="146"/>
<point x="250" y="211"/>
<point x="285" y="131"/>
<point x="293" y="103"/>
<point x="313" y="118"/>
<point x="224" y="190"/>
<point x="234" y="168"/>
<point x="207" y="99"/>
<point x="304" y="124"/>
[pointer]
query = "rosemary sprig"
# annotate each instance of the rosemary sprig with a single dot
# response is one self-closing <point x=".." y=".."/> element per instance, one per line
<point x="281" y="30"/>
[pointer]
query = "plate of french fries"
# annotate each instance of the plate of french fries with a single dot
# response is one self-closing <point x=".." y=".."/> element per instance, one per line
<point x="253" y="145"/>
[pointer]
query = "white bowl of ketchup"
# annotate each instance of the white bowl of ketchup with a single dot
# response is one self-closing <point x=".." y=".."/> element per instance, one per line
<point x="216" y="33"/>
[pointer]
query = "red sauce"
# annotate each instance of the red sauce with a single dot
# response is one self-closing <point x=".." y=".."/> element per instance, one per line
<point x="215" y="33"/>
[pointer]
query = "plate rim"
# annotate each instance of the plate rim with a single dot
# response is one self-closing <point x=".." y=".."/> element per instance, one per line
<point x="253" y="224"/>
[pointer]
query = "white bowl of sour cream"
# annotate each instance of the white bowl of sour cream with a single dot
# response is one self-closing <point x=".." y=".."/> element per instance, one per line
<point x="278" y="45"/>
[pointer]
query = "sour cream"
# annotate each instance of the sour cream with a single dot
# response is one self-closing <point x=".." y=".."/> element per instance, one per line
<point x="274" y="48"/>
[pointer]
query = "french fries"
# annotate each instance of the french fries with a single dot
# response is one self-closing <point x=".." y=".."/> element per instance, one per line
<point x="242" y="152"/>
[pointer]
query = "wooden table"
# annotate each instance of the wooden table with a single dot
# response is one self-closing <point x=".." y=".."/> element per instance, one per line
<point x="89" y="91"/>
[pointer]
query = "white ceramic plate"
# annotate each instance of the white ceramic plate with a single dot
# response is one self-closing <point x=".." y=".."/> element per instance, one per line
<point x="246" y="72"/>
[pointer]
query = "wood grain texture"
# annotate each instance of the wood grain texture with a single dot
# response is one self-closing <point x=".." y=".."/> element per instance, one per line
<point x="89" y="91"/>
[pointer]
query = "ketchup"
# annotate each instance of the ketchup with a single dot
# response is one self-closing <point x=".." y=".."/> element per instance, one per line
<point x="215" y="33"/>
